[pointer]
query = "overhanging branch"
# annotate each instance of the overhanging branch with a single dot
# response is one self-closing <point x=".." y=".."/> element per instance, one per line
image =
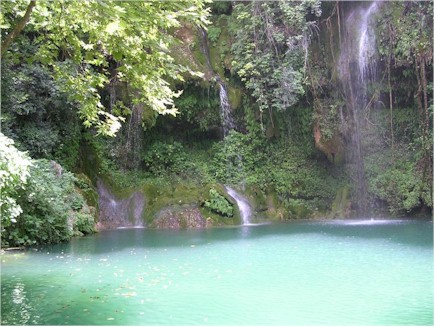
<point x="18" y="28"/>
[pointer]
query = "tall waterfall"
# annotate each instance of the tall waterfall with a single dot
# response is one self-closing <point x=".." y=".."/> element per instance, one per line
<point x="357" y="70"/>
<point x="242" y="203"/>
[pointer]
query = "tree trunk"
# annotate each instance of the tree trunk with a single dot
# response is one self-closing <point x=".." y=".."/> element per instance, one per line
<point x="18" y="28"/>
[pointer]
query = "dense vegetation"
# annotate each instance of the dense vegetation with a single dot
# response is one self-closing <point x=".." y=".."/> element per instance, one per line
<point x="87" y="89"/>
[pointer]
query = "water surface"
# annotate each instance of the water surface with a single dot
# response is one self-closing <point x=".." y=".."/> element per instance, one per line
<point x="301" y="273"/>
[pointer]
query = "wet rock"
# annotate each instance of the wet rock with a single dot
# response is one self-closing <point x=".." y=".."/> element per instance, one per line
<point x="180" y="217"/>
<point x="117" y="212"/>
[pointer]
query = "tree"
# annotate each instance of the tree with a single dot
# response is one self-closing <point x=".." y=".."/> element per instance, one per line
<point x="91" y="44"/>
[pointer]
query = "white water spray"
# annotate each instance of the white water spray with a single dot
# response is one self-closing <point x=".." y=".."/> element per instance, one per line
<point x="119" y="213"/>
<point x="242" y="203"/>
<point x="227" y="119"/>
<point x="367" y="46"/>
<point x="358" y="70"/>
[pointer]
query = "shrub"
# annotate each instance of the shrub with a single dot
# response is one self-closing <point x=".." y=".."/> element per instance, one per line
<point x="219" y="204"/>
<point x="397" y="182"/>
<point x="53" y="210"/>
<point x="162" y="158"/>
<point x="14" y="172"/>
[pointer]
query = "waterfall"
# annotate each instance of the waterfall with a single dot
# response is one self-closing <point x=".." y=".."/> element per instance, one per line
<point x="226" y="116"/>
<point x="227" y="119"/>
<point x="131" y="150"/>
<point x="119" y="213"/>
<point x="357" y="70"/>
<point x="242" y="203"/>
<point x="367" y="47"/>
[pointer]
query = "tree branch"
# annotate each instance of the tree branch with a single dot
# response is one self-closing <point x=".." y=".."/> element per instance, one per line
<point x="18" y="28"/>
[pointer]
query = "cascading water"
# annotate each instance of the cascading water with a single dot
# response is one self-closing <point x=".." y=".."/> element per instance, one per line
<point x="357" y="70"/>
<point x="134" y="137"/>
<point x="367" y="61"/>
<point x="226" y="116"/>
<point x="119" y="213"/>
<point x="227" y="126"/>
<point x="242" y="203"/>
<point x="227" y="119"/>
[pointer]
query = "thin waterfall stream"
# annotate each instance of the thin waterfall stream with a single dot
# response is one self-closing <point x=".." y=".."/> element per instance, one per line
<point x="227" y="119"/>
<point x="225" y="112"/>
<point x="242" y="203"/>
<point x="119" y="212"/>
<point x="227" y="125"/>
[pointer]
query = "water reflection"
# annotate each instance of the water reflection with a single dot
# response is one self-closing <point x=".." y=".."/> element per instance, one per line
<point x="20" y="304"/>
<point x="245" y="231"/>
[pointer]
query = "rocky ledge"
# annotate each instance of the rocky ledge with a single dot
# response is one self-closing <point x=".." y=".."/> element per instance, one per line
<point x="180" y="217"/>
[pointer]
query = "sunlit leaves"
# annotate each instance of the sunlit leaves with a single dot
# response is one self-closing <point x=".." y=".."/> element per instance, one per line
<point x="14" y="171"/>
<point x="91" y="34"/>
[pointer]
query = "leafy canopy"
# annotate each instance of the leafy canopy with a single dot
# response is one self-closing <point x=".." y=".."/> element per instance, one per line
<point x="90" y="44"/>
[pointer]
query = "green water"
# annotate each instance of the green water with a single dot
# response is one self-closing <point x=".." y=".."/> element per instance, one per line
<point x="302" y="273"/>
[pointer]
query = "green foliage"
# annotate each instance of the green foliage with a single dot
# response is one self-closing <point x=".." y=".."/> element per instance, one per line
<point x="237" y="158"/>
<point x="53" y="210"/>
<point x="82" y="40"/>
<point x="35" y="113"/>
<point x="283" y="167"/>
<point x="299" y="179"/>
<point x="398" y="181"/>
<point x="270" y="47"/>
<point x="221" y="7"/>
<point x="219" y="204"/>
<point x="14" y="173"/>
<point x="84" y="224"/>
<point x="213" y="33"/>
<point x="198" y="107"/>
<point x="398" y="29"/>
<point x="162" y="158"/>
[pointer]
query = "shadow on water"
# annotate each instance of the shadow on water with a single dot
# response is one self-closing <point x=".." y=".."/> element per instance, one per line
<point x="412" y="232"/>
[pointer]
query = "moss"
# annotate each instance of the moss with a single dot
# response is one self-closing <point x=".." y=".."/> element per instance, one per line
<point x="87" y="189"/>
<point x="187" y="52"/>
<point x="341" y="205"/>
<point x="220" y="56"/>
<point x="298" y="211"/>
<point x="266" y="204"/>
<point x="89" y="162"/>
<point x="235" y="97"/>
<point x="333" y="148"/>
<point x="161" y="197"/>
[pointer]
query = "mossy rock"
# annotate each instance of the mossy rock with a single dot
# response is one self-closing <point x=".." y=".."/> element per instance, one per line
<point x="188" y="52"/>
<point x="180" y="217"/>
<point x="341" y="207"/>
<point x="266" y="204"/>
<point x="235" y="97"/>
<point x="161" y="197"/>
<point x="86" y="188"/>
<point x="333" y="148"/>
